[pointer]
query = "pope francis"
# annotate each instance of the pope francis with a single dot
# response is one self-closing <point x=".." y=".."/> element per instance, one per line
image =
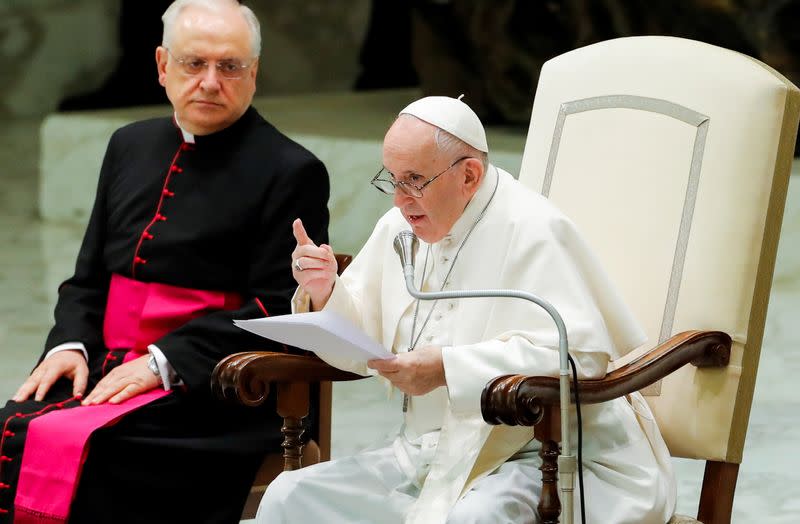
<point x="479" y="228"/>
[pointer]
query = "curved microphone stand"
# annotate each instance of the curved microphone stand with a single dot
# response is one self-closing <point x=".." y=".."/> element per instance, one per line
<point x="406" y="245"/>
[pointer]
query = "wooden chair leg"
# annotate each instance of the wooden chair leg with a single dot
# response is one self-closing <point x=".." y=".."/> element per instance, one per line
<point x="324" y="420"/>
<point x="716" y="497"/>
<point x="548" y="431"/>
<point x="293" y="404"/>
<point x="549" y="504"/>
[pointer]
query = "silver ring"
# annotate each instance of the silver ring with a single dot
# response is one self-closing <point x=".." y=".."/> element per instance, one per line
<point x="297" y="265"/>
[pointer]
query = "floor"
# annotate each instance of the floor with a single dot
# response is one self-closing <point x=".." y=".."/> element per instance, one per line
<point x="769" y="481"/>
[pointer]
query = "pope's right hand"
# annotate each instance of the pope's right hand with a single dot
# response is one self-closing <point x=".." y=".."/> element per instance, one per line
<point x="68" y="363"/>
<point x="313" y="267"/>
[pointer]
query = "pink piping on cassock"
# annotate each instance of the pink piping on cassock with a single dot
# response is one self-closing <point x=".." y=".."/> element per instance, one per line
<point x="158" y="217"/>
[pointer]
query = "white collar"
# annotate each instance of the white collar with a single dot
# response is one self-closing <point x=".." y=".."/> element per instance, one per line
<point x="475" y="206"/>
<point x="187" y="136"/>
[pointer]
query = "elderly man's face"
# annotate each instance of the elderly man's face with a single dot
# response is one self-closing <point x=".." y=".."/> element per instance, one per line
<point x="410" y="154"/>
<point x="207" y="102"/>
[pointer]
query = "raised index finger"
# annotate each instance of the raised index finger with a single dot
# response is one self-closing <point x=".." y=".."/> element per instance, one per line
<point x="300" y="233"/>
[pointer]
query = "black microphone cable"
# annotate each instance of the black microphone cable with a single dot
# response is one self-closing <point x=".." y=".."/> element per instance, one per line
<point x="580" y="435"/>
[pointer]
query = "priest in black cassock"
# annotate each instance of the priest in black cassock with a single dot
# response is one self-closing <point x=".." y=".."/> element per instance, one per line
<point x="191" y="229"/>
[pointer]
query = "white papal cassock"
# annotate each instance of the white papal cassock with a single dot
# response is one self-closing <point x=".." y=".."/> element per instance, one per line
<point x="447" y="464"/>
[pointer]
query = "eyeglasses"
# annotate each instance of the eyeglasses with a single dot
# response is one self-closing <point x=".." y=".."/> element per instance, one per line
<point x="229" y="68"/>
<point x="388" y="185"/>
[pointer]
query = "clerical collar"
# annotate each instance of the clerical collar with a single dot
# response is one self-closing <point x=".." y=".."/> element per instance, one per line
<point x="230" y="134"/>
<point x="187" y="136"/>
<point x="475" y="206"/>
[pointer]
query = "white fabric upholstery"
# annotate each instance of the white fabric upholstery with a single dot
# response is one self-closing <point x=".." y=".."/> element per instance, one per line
<point x="672" y="157"/>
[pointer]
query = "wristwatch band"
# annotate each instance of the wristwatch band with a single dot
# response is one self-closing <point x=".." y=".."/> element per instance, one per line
<point x="153" y="366"/>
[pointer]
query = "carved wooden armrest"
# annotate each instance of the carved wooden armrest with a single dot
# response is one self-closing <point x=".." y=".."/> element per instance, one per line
<point x="533" y="401"/>
<point x="245" y="377"/>
<point x="519" y="399"/>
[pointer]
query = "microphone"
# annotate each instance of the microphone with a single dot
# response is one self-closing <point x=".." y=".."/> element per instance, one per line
<point x="406" y="245"/>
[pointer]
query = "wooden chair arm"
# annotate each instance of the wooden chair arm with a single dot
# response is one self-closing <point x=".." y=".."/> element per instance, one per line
<point x="519" y="399"/>
<point x="533" y="401"/>
<point x="245" y="377"/>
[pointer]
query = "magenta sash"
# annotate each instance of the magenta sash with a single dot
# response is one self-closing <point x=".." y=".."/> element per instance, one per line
<point x="137" y="314"/>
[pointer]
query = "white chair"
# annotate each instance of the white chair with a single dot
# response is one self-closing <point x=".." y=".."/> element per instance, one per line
<point x="672" y="157"/>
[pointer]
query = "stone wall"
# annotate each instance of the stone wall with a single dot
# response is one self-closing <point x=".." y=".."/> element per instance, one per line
<point x="310" y="46"/>
<point x="51" y="50"/>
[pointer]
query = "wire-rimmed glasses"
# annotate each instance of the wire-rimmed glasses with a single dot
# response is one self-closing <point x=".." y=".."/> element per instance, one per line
<point x="229" y="68"/>
<point x="389" y="185"/>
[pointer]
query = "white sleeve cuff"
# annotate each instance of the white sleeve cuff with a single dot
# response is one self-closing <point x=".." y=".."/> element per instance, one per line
<point x="66" y="346"/>
<point x="165" y="369"/>
<point x="301" y="301"/>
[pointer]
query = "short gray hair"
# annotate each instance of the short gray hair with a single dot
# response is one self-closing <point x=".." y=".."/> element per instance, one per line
<point x="174" y="10"/>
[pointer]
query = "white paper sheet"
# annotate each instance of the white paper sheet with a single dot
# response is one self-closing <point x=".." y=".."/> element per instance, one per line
<point x="323" y="332"/>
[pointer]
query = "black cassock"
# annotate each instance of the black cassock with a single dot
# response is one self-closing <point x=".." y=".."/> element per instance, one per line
<point x="214" y="215"/>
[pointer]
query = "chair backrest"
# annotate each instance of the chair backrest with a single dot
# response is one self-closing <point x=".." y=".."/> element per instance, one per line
<point x="673" y="157"/>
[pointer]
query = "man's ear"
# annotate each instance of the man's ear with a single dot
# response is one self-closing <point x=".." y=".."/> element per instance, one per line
<point x="473" y="174"/>
<point x="161" y="64"/>
<point x="254" y="68"/>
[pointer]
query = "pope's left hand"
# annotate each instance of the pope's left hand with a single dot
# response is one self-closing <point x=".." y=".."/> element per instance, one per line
<point x="415" y="373"/>
<point x="123" y="382"/>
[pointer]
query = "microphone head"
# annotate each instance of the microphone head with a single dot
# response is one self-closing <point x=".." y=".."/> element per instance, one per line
<point x="406" y="246"/>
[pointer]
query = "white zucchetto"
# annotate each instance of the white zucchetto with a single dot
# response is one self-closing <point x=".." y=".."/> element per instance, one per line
<point x="451" y="115"/>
